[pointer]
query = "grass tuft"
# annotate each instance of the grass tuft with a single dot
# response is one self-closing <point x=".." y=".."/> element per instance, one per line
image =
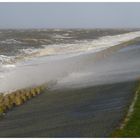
<point x="18" y="98"/>
<point x="131" y="127"/>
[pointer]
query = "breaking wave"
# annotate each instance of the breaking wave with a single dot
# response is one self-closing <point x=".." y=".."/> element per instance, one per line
<point x="64" y="49"/>
<point x="76" y="69"/>
<point x="10" y="41"/>
<point x="7" y="59"/>
<point x="83" y="46"/>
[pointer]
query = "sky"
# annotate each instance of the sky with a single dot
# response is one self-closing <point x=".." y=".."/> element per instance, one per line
<point x="69" y="15"/>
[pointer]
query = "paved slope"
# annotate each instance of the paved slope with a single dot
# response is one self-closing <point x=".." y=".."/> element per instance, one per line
<point x="89" y="112"/>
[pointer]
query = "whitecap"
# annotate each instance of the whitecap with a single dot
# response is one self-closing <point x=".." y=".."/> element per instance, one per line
<point x="9" y="66"/>
<point x="6" y="59"/>
<point x="10" y="41"/>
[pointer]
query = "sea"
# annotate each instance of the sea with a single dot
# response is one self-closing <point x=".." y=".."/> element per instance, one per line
<point x="61" y="57"/>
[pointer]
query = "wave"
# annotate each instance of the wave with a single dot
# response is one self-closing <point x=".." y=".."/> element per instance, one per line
<point x="64" y="36"/>
<point x="79" y="70"/>
<point x="10" y="41"/>
<point x="7" y="59"/>
<point x="83" y="46"/>
<point x="78" y="47"/>
<point x="9" y="66"/>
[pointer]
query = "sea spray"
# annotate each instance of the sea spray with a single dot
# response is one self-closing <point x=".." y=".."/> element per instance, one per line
<point x="18" y="97"/>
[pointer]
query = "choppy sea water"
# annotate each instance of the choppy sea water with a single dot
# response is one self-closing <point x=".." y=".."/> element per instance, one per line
<point x="64" y="57"/>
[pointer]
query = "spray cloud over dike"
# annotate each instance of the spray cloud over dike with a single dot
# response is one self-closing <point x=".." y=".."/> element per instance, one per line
<point x="72" y="65"/>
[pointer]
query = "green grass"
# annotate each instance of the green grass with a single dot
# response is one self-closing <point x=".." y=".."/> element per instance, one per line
<point x="132" y="126"/>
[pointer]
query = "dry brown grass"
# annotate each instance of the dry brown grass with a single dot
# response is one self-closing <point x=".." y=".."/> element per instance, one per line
<point x="18" y="97"/>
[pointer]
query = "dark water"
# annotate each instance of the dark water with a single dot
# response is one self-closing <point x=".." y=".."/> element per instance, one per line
<point x="12" y="41"/>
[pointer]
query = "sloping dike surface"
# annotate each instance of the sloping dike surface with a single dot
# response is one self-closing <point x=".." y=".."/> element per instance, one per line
<point x="90" y="112"/>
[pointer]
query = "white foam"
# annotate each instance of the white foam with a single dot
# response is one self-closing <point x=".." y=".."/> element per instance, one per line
<point x="10" y="41"/>
<point x="77" y="48"/>
<point x="61" y="36"/>
<point x="9" y="66"/>
<point x="1" y="76"/>
<point x="86" y="46"/>
<point x="6" y="59"/>
<point x="28" y="51"/>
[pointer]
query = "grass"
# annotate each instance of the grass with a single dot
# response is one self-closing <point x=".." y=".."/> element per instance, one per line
<point x="131" y="125"/>
<point x="18" y="98"/>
